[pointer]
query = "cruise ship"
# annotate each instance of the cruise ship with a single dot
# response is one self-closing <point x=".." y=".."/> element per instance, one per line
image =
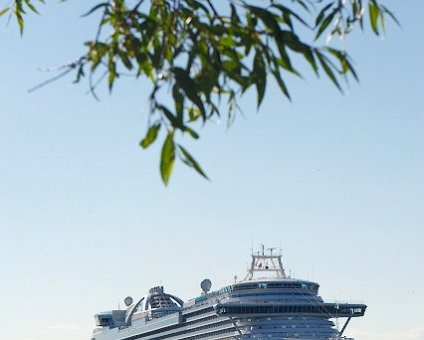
<point x="266" y="304"/>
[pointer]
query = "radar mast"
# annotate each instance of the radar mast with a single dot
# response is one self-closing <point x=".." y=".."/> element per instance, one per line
<point x="266" y="262"/>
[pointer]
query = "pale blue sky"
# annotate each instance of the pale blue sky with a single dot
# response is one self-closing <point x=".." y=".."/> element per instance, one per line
<point x="336" y="180"/>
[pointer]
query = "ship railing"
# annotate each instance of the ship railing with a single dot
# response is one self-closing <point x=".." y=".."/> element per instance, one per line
<point x="350" y="302"/>
<point x="205" y="297"/>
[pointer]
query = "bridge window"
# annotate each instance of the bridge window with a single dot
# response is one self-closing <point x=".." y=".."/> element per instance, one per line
<point x="282" y="309"/>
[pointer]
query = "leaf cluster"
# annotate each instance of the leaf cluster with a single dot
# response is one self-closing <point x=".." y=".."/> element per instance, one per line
<point x="205" y="54"/>
<point x="19" y="8"/>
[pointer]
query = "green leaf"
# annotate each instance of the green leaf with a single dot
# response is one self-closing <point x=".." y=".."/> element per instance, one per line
<point x="321" y="14"/>
<point x="191" y="132"/>
<point x="304" y="4"/>
<point x="179" y="103"/>
<point x="327" y="21"/>
<point x="198" y="5"/>
<point x="326" y="65"/>
<point x="31" y="6"/>
<point x="190" y="87"/>
<point x="194" y="114"/>
<point x="259" y="75"/>
<point x="151" y="136"/>
<point x="20" y="22"/>
<point x="4" y="11"/>
<point x="80" y="73"/>
<point x="111" y="70"/>
<point x="343" y="58"/>
<point x="390" y="14"/>
<point x="227" y="41"/>
<point x="175" y="122"/>
<point x="266" y="16"/>
<point x="374" y="15"/>
<point x="280" y="81"/>
<point x="95" y="8"/>
<point x="191" y="162"/>
<point x="230" y="65"/>
<point x="308" y="54"/>
<point x="167" y="157"/>
<point x="125" y="60"/>
<point x="235" y="19"/>
<point x="288" y="12"/>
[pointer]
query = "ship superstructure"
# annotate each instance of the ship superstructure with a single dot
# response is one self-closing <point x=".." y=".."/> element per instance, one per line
<point x="265" y="304"/>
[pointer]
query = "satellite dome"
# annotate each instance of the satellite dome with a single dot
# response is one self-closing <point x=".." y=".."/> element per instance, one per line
<point x="206" y="285"/>
<point x="128" y="301"/>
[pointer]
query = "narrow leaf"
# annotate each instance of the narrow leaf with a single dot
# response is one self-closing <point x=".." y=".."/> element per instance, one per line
<point x="31" y="6"/>
<point x="191" y="162"/>
<point x="280" y="81"/>
<point x="327" y="69"/>
<point x="259" y="75"/>
<point x="167" y="158"/>
<point x="327" y="21"/>
<point x="321" y="14"/>
<point x="4" y="11"/>
<point x="374" y="14"/>
<point x="20" y="22"/>
<point x="151" y="136"/>
<point x="95" y="8"/>
<point x="190" y="87"/>
<point x="191" y="132"/>
<point x="390" y="14"/>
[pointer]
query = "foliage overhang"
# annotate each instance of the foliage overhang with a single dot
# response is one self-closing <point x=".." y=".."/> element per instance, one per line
<point x="205" y="54"/>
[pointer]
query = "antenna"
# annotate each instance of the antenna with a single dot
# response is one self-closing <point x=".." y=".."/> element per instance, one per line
<point x="267" y="263"/>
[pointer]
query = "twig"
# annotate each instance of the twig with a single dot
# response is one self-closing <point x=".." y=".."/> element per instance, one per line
<point x="216" y="14"/>
<point x="48" y="81"/>
<point x="136" y="7"/>
<point x="68" y="68"/>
